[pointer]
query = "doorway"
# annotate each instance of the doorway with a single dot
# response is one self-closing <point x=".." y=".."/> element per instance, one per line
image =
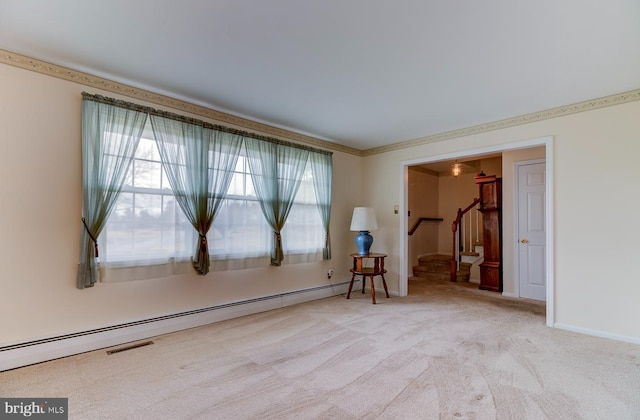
<point x="547" y="143"/>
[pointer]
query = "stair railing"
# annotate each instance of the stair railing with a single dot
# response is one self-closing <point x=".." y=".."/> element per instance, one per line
<point x="423" y="219"/>
<point x="459" y="240"/>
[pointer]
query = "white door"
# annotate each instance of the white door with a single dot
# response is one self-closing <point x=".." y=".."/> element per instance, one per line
<point x="531" y="231"/>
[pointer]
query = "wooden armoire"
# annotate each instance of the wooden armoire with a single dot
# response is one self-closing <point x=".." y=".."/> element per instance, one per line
<point x="491" y="209"/>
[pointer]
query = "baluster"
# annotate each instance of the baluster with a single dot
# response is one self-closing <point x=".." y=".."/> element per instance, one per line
<point x="477" y="224"/>
<point x="463" y="233"/>
<point x="470" y="233"/>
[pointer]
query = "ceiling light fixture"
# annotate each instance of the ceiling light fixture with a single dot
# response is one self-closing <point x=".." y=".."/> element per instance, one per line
<point x="456" y="169"/>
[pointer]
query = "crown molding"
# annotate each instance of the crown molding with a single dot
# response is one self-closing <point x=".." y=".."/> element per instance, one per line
<point x="86" y="79"/>
<point x="97" y="82"/>
<point x="561" y="111"/>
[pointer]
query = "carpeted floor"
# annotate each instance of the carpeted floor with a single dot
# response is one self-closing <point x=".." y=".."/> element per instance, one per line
<point x="447" y="351"/>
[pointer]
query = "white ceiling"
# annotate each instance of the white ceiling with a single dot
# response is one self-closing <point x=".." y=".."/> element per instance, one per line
<point x="363" y="73"/>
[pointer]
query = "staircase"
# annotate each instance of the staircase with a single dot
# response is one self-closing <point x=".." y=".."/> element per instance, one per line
<point x="438" y="267"/>
<point x="466" y="255"/>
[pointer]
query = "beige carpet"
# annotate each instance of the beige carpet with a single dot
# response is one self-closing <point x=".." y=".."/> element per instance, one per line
<point x="446" y="351"/>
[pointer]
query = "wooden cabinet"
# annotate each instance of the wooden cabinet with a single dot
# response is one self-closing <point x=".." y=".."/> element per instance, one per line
<point x="491" y="209"/>
<point x="490" y="192"/>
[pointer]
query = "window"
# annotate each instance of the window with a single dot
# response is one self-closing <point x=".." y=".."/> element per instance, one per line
<point x="239" y="230"/>
<point x="303" y="232"/>
<point x="129" y="204"/>
<point x="147" y="226"/>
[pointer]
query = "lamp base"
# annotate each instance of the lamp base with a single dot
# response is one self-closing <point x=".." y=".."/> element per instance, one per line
<point x="363" y="242"/>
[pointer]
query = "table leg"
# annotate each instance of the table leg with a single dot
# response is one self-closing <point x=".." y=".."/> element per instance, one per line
<point x="373" y="292"/>
<point x="364" y="278"/>
<point x="384" y="283"/>
<point x="350" y="285"/>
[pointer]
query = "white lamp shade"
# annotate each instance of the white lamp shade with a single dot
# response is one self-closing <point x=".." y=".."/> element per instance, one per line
<point x="364" y="219"/>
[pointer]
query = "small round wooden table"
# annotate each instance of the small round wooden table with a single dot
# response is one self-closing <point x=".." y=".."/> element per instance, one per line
<point x="360" y="270"/>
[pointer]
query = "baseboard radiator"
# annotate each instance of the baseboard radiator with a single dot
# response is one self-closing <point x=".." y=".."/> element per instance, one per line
<point x="26" y="353"/>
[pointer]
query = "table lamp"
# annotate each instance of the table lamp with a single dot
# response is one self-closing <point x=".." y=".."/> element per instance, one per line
<point x="363" y="221"/>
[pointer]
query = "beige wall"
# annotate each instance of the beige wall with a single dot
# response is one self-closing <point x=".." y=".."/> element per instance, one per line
<point x="595" y="184"/>
<point x="40" y="186"/>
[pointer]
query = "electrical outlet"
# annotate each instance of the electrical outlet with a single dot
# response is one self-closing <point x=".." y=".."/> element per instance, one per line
<point x="329" y="273"/>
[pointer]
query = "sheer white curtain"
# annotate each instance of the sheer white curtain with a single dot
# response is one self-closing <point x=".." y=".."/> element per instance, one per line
<point x="322" y="173"/>
<point x="110" y="135"/>
<point x="147" y="235"/>
<point x="276" y="173"/>
<point x="199" y="163"/>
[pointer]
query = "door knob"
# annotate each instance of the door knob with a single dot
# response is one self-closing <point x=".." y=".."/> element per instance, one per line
<point x="524" y="241"/>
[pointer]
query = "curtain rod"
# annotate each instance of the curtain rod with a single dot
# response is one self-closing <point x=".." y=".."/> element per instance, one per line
<point x="170" y="115"/>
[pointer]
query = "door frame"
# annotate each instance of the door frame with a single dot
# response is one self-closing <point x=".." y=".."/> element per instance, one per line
<point x="403" y="280"/>
<point x="516" y="221"/>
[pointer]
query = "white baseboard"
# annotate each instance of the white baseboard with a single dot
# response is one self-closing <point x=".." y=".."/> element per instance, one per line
<point x="27" y="353"/>
<point x="596" y="333"/>
<point x="507" y="294"/>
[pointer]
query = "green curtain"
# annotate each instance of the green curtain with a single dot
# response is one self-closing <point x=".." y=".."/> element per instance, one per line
<point x="322" y="169"/>
<point x="199" y="163"/>
<point x="276" y="172"/>
<point x="110" y="135"/>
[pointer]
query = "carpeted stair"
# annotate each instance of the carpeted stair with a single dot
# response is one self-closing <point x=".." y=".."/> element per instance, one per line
<point x="438" y="267"/>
